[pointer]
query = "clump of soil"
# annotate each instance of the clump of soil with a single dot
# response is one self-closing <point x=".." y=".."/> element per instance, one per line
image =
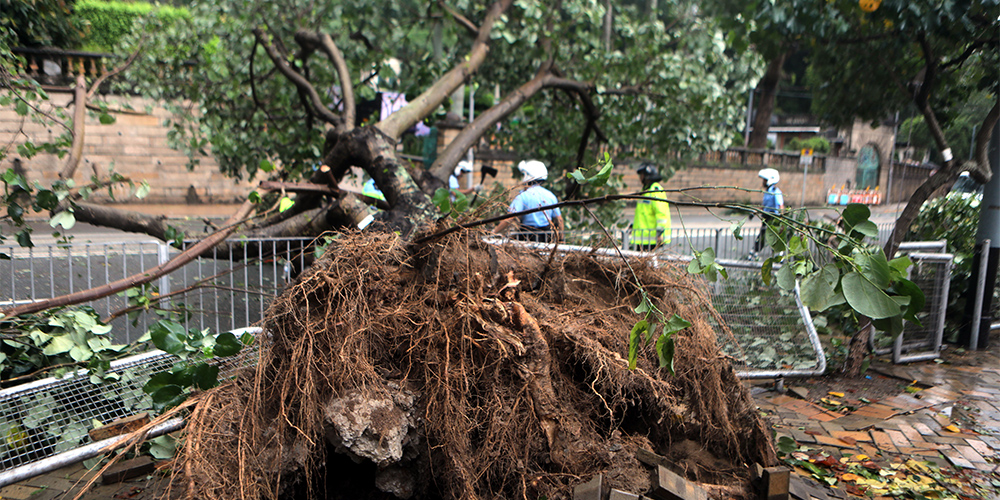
<point x="457" y="369"/>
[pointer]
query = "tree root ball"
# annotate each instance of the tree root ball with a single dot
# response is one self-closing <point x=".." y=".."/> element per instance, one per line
<point x="458" y="369"/>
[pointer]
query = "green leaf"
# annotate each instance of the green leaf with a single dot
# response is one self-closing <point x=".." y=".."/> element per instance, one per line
<point x="767" y="270"/>
<point x="266" y="165"/>
<point x="874" y="267"/>
<point x="786" y="445"/>
<point x="786" y="277"/>
<point x="867" y="228"/>
<point x="737" y="228"/>
<point x="442" y="200"/>
<point x="855" y="214"/>
<point x="205" y="376"/>
<point x="461" y="203"/>
<point x="917" y="299"/>
<point x="226" y="344"/>
<point x="168" y="396"/>
<point x="162" y="447"/>
<point x="899" y="265"/>
<point x="285" y="204"/>
<point x="66" y="219"/>
<point x="675" y="324"/>
<point x="665" y="352"/>
<point x="46" y="200"/>
<point x="21" y="107"/>
<point x="819" y="288"/>
<point x="106" y="119"/>
<point x="634" y="338"/>
<point x="867" y="298"/>
<point x="169" y="336"/>
<point x="24" y="238"/>
<point x="59" y="345"/>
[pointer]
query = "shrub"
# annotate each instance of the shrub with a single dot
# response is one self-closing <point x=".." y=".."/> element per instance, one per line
<point x="109" y="21"/>
<point x="954" y="218"/>
<point x="816" y="143"/>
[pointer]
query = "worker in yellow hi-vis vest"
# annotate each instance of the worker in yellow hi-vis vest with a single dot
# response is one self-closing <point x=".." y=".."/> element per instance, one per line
<point x="651" y="226"/>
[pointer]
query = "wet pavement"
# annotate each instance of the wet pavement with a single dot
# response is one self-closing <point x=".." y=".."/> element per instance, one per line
<point x="943" y="427"/>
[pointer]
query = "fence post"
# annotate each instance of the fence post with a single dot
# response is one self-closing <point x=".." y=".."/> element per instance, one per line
<point x="977" y="312"/>
<point x="163" y="255"/>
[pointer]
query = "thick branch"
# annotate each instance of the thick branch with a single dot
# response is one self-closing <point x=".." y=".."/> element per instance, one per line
<point x="79" y="117"/>
<point x="326" y="44"/>
<point x="300" y="82"/>
<point x="983" y="172"/>
<point x="425" y="103"/>
<point x="136" y="279"/>
<point x="465" y="139"/>
<point x="125" y="220"/>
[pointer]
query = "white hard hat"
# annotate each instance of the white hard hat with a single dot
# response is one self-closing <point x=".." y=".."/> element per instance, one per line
<point x="463" y="167"/>
<point x="769" y="175"/>
<point x="533" y="170"/>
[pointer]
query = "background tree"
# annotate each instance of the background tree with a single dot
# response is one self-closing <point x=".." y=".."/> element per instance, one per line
<point x="929" y="55"/>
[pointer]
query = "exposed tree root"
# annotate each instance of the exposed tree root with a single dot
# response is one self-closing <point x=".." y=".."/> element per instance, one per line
<point x="437" y="366"/>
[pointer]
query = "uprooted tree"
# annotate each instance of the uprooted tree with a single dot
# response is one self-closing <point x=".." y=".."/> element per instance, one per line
<point x="514" y="395"/>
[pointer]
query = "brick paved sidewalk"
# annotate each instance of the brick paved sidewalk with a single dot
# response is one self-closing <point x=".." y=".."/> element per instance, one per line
<point x="954" y="421"/>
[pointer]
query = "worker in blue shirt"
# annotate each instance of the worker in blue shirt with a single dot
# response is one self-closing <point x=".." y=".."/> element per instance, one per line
<point x="774" y="203"/>
<point x="537" y="226"/>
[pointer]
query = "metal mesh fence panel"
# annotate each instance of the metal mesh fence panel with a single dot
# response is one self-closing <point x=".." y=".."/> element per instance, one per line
<point x="54" y="415"/>
<point x="771" y="333"/>
<point x="932" y="273"/>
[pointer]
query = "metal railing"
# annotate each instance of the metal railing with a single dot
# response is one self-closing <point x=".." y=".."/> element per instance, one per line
<point x="227" y="288"/>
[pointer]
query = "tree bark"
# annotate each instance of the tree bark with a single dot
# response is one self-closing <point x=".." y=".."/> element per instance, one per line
<point x="395" y="124"/>
<point x="768" y="88"/>
<point x="79" y="128"/>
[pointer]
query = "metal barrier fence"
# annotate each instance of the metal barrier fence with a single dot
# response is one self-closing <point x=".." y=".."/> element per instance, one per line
<point x="228" y="288"/>
<point x="46" y="423"/>
<point x="772" y="331"/>
<point x="932" y="273"/>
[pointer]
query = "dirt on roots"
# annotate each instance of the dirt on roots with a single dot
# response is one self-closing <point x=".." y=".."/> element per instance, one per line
<point x="474" y="371"/>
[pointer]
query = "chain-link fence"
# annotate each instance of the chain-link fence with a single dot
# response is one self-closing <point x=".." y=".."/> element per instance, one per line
<point x="49" y="417"/>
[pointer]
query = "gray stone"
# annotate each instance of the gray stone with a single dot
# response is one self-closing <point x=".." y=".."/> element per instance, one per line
<point x="371" y="428"/>
<point x="591" y="490"/>
<point x="622" y="495"/>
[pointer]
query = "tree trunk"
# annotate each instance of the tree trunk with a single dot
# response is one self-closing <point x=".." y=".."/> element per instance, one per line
<point x="768" y="88"/>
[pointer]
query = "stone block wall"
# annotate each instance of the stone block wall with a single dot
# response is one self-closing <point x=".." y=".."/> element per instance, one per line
<point x="134" y="146"/>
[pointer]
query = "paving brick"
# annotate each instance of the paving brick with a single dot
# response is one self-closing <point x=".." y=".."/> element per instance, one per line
<point x="970" y="454"/>
<point x="954" y="439"/>
<point x="980" y="447"/>
<point x="802" y="436"/>
<point x="832" y="441"/>
<point x="18" y="492"/>
<point x="883" y="441"/>
<point x="825" y="417"/>
<point x="831" y="427"/>
<point x="898" y="438"/>
<point x="910" y="432"/>
<point x="957" y="459"/>
<point x="855" y="435"/>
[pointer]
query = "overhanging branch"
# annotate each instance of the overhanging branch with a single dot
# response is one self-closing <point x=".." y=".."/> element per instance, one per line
<point x="425" y="103"/>
<point x="300" y="82"/>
